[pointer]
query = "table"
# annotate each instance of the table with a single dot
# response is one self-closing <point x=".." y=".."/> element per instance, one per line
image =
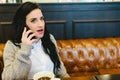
<point x="80" y="78"/>
<point x="98" y="77"/>
<point x="109" y="77"/>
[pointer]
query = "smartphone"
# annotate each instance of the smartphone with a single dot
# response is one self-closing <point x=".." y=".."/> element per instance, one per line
<point x="34" y="37"/>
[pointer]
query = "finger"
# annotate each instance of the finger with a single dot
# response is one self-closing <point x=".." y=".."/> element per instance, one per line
<point x="34" y="40"/>
<point x="28" y="32"/>
<point x="31" y="36"/>
<point x="24" y="31"/>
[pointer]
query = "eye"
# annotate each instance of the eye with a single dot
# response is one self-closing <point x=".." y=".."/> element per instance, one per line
<point x="42" y="18"/>
<point x="33" y="20"/>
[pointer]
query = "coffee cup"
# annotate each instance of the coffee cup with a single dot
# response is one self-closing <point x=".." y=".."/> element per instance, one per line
<point x="44" y="75"/>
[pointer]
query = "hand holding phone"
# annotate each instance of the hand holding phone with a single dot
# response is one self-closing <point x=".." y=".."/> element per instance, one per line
<point x="34" y="37"/>
<point x="28" y="37"/>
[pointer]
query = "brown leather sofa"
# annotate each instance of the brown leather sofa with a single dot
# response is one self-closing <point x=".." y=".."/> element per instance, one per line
<point x="91" y="56"/>
<point x="87" y="56"/>
<point x="1" y="57"/>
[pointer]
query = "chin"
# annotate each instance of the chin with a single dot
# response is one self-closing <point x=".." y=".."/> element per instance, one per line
<point x="40" y="36"/>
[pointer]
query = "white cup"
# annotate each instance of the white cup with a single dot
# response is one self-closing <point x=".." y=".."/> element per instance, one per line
<point x="43" y="74"/>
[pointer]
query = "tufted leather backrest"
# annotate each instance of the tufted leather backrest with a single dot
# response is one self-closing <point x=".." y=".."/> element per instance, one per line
<point x="90" y="55"/>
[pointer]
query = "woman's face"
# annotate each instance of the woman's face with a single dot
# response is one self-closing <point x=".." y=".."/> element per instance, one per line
<point x="35" y="22"/>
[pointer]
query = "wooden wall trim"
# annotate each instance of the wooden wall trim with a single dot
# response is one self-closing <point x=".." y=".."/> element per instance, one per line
<point x="2" y="23"/>
<point x="102" y="20"/>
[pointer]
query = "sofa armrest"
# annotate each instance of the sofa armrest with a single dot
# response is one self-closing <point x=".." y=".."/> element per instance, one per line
<point x="1" y="64"/>
<point x="1" y="58"/>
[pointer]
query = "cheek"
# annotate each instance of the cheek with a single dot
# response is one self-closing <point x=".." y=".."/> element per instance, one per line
<point x="30" y="25"/>
<point x="27" y="23"/>
<point x="33" y="28"/>
<point x="44" y="25"/>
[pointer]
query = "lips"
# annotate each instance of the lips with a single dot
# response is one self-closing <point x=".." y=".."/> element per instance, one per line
<point x="40" y="31"/>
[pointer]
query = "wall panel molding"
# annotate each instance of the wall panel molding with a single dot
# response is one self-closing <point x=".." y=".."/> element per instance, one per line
<point x="102" y="21"/>
<point x="82" y="20"/>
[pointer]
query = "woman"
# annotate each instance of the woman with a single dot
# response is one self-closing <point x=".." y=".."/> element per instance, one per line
<point x="33" y="49"/>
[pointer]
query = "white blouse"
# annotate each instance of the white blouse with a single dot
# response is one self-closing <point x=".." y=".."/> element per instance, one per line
<point x="40" y="60"/>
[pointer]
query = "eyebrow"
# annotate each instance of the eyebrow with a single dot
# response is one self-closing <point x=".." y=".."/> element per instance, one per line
<point x="32" y="18"/>
<point x="40" y="17"/>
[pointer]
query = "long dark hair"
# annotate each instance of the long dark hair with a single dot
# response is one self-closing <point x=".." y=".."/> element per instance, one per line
<point x="19" y="22"/>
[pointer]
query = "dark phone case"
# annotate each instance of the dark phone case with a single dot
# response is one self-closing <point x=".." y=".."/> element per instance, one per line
<point x="30" y="33"/>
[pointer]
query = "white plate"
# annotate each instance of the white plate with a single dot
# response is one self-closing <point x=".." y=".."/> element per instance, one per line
<point x="43" y="74"/>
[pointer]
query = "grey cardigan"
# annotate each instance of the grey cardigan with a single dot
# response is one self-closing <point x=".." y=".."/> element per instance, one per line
<point x="17" y="62"/>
